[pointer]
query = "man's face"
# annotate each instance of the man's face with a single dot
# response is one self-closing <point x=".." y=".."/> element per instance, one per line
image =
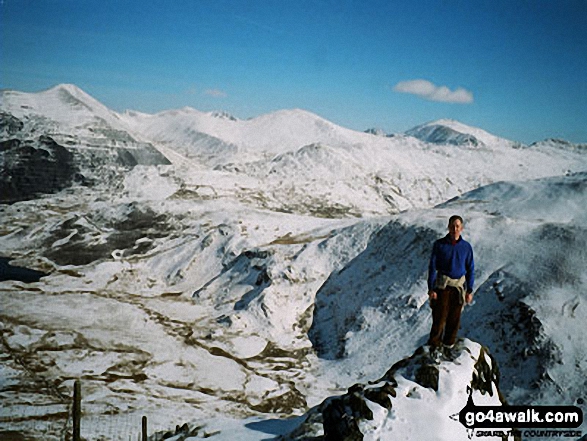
<point x="454" y="229"/>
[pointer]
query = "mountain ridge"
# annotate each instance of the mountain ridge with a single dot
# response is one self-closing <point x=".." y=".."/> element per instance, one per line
<point x="380" y="175"/>
<point x="86" y="98"/>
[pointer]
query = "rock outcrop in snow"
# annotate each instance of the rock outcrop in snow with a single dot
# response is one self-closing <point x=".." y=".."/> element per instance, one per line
<point x="32" y="167"/>
<point x="451" y="132"/>
<point x="418" y="398"/>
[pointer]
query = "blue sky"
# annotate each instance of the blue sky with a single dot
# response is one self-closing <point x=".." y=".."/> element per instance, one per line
<point x="515" y="68"/>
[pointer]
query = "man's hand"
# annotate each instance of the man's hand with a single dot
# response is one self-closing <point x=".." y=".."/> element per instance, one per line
<point x="469" y="298"/>
<point x="432" y="295"/>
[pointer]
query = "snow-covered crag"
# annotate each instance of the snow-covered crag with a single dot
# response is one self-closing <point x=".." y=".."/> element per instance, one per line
<point x="419" y="397"/>
<point x="250" y="270"/>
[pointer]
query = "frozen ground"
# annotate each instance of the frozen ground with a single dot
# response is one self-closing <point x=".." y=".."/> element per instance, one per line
<point x="235" y="290"/>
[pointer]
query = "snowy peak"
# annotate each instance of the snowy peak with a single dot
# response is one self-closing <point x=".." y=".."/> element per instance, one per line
<point x="63" y="95"/>
<point x="71" y="94"/>
<point x="446" y="131"/>
<point x="274" y="133"/>
<point x="65" y="104"/>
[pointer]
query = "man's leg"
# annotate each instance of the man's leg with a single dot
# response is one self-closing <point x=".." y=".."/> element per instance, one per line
<point x="453" y="317"/>
<point x="439" y="316"/>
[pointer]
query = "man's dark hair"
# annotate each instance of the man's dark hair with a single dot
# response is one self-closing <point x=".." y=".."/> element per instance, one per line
<point x="454" y="218"/>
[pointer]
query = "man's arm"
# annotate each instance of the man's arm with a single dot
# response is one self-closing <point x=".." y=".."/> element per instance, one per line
<point x="432" y="273"/>
<point x="470" y="275"/>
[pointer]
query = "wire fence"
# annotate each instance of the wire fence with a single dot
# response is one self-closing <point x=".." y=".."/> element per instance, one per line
<point x="47" y="422"/>
<point x="68" y="422"/>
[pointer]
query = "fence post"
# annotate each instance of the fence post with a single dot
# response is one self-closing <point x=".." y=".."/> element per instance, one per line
<point x="77" y="410"/>
<point x="144" y="428"/>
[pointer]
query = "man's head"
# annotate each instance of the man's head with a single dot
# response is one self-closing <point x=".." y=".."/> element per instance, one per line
<point x="455" y="226"/>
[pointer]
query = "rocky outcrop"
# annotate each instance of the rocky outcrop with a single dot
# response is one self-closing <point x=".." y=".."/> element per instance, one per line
<point x="419" y="397"/>
<point x="36" y="159"/>
<point x="33" y="167"/>
<point x="439" y="134"/>
<point x="9" y="125"/>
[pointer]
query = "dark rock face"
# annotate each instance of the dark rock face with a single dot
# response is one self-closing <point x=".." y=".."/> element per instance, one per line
<point x="32" y="163"/>
<point x="33" y="167"/>
<point x="445" y="135"/>
<point x="439" y="134"/>
<point x="9" y="125"/>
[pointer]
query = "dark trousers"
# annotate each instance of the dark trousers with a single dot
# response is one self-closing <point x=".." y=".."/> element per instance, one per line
<point x="446" y="317"/>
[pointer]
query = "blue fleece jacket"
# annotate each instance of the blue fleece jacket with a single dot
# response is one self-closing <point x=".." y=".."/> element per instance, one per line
<point x="452" y="260"/>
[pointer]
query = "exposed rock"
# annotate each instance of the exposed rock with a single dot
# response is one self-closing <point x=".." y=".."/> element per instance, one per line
<point x="559" y="144"/>
<point x="34" y="163"/>
<point x="33" y="167"/>
<point x="438" y="134"/>
<point x="440" y="380"/>
<point x="80" y="240"/>
<point x="376" y="132"/>
<point x="9" y="125"/>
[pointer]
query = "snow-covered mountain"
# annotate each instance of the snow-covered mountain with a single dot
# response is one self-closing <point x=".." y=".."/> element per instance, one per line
<point x="74" y="120"/>
<point x="290" y="160"/>
<point x="243" y="286"/>
<point x="272" y="133"/>
<point x="65" y="104"/>
<point x="451" y="132"/>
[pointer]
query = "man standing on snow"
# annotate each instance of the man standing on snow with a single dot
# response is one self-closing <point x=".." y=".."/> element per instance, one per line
<point x="450" y="283"/>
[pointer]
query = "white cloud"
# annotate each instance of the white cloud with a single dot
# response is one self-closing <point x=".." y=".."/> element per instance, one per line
<point x="216" y="93"/>
<point x="432" y="92"/>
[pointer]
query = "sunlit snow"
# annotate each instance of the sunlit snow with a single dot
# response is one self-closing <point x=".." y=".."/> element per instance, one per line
<point x="268" y="264"/>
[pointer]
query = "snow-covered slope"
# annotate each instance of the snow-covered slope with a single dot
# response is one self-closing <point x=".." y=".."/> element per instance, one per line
<point x="236" y="296"/>
<point x="272" y="133"/>
<point x="451" y="132"/>
<point x="226" y="290"/>
<point x="390" y="175"/>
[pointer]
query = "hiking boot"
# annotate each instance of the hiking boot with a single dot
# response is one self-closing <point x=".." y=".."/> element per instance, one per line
<point x="450" y="352"/>
<point x="436" y="354"/>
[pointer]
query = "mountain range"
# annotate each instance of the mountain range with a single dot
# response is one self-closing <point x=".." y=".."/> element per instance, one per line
<point x="337" y="170"/>
<point x="251" y="278"/>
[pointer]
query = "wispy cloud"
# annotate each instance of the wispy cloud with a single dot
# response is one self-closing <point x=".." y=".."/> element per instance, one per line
<point x="430" y="91"/>
<point x="216" y="93"/>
